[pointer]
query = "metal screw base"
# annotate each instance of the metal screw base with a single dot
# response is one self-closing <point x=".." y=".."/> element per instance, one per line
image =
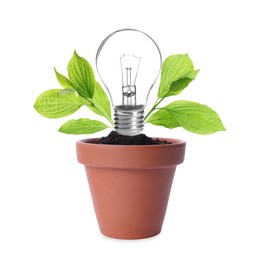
<point x="129" y="122"/>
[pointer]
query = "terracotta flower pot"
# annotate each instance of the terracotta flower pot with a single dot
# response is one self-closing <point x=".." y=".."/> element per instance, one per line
<point x="130" y="185"/>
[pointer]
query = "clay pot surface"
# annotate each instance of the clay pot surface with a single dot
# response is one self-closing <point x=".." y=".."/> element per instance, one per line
<point x="130" y="184"/>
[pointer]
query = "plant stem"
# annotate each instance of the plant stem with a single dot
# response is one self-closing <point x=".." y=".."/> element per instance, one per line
<point x="110" y="120"/>
<point x="158" y="101"/>
<point x="106" y="116"/>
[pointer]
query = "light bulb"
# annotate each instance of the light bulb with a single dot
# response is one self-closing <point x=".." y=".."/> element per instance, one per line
<point x="128" y="62"/>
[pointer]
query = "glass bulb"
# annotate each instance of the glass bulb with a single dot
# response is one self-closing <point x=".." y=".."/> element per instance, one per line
<point x="128" y="62"/>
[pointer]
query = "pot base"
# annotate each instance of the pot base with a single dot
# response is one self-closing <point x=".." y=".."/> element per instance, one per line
<point x="137" y="237"/>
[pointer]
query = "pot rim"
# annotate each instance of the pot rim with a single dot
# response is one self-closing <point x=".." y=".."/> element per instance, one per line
<point x="173" y="142"/>
<point x="131" y="156"/>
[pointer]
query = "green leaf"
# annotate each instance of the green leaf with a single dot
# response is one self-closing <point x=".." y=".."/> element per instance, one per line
<point x="82" y="76"/>
<point x="195" y="117"/>
<point x="163" y="118"/>
<point x="63" y="80"/>
<point x="66" y="91"/>
<point x="179" y="85"/>
<point x="82" y="126"/>
<point x="101" y="103"/>
<point x="53" y="105"/>
<point x="174" y="68"/>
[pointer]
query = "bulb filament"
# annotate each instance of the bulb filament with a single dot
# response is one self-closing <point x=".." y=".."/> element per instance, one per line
<point x="129" y="70"/>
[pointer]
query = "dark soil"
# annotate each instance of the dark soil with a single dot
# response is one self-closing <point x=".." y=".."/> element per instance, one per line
<point x="141" y="139"/>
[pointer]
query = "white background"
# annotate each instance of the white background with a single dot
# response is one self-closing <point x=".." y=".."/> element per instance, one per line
<point x="45" y="206"/>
